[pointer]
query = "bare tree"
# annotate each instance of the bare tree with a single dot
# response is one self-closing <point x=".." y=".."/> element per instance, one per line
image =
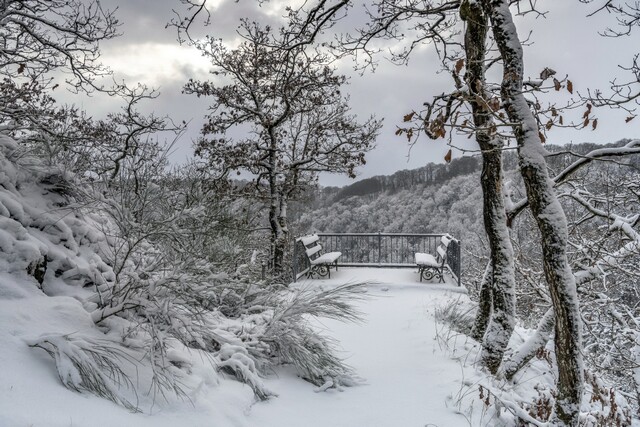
<point x="41" y="36"/>
<point x="288" y="103"/>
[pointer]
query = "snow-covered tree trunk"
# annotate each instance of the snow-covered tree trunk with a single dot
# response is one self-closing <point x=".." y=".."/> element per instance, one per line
<point x="528" y="350"/>
<point x="502" y="319"/>
<point x="278" y="239"/>
<point x="548" y="214"/>
<point x="483" y="315"/>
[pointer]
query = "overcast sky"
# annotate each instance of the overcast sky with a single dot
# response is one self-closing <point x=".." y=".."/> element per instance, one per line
<point x="565" y="40"/>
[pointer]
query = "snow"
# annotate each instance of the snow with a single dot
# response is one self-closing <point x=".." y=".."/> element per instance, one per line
<point x="426" y="259"/>
<point x="407" y="379"/>
<point x="329" y="258"/>
<point x="308" y="240"/>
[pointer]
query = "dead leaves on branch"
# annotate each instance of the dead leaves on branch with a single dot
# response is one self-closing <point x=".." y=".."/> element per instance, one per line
<point x="546" y="73"/>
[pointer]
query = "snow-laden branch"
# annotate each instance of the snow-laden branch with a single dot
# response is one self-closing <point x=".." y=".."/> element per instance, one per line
<point x="633" y="147"/>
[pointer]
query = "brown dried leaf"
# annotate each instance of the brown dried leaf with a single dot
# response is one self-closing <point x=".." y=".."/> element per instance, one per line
<point x="628" y="119"/>
<point x="459" y="65"/>
<point x="399" y="131"/>
<point x="408" y="117"/>
<point x="494" y="104"/>
<point x="556" y="84"/>
<point x="586" y="122"/>
<point x="554" y="112"/>
<point x="594" y="124"/>
<point x="549" y="124"/>
<point x="21" y="68"/>
<point x="542" y="138"/>
<point x="561" y="121"/>
<point x="447" y="157"/>
<point x="569" y="86"/>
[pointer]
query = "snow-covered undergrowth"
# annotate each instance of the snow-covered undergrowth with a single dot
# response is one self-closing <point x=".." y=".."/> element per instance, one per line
<point x="528" y="398"/>
<point x="113" y="312"/>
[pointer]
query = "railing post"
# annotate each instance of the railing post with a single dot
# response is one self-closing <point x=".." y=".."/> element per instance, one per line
<point x="459" y="261"/>
<point x="379" y="248"/>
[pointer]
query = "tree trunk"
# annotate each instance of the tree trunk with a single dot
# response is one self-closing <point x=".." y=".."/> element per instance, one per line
<point x="548" y="214"/>
<point x="503" y="304"/>
<point x="484" y="306"/>
<point x="278" y="240"/>
<point x="282" y="239"/>
<point x="528" y="350"/>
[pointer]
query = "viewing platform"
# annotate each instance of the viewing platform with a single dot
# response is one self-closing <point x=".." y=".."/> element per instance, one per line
<point x="378" y="250"/>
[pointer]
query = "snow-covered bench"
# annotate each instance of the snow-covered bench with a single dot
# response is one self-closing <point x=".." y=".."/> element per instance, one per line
<point x="430" y="266"/>
<point x="321" y="264"/>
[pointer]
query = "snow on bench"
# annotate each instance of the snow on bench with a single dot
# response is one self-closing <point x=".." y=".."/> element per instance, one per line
<point x="430" y="266"/>
<point x="321" y="264"/>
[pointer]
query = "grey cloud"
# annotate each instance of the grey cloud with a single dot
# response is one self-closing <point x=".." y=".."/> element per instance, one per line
<point x="565" y="41"/>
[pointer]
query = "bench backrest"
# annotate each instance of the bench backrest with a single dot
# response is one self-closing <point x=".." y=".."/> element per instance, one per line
<point x="313" y="249"/>
<point x="442" y="248"/>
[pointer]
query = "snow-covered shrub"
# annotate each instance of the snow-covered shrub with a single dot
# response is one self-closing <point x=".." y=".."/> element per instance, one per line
<point x="528" y="398"/>
<point x="293" y="340"/>
<point x="458" y="315"/>
<point x="87" y="364"/>
<point x="139" y="256"/>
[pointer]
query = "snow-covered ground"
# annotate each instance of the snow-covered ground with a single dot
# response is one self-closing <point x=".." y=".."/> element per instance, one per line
<point x="408" y="380"/>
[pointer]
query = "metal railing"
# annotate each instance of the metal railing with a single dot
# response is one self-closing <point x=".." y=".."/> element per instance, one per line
<point x="386" y="250"/>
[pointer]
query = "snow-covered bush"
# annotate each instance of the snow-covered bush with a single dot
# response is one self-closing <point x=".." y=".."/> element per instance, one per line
<point x="528" y="398"/>
<point x="138" y="255"/>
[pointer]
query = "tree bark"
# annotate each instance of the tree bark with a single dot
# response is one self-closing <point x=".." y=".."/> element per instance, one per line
<point x="483" y="315"/>
<point x="278" y="241"/>
<point x="503" y="304"/>
<point x="548" y="214"/>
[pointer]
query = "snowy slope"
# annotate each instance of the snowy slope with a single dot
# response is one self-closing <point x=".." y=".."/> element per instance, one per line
<point x="408" y="380"/>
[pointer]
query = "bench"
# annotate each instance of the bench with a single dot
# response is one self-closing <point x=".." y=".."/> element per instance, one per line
<point x="320" y="263"/>
<point x="430" y="266"/>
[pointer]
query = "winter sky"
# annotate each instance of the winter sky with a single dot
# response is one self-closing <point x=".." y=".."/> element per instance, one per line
<point x="564" y="40"/>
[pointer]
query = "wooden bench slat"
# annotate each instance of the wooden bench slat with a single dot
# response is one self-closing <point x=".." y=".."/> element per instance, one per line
<point x="313" y="250"/>
<point x="308" y="240"/>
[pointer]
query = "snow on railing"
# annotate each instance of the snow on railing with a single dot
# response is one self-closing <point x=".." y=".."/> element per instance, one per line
<point x="387" y="250"/>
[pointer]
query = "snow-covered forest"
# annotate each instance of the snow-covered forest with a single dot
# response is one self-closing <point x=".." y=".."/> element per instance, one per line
<point x="139" y="290"/>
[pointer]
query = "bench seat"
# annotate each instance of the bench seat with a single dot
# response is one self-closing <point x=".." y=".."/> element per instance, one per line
<point x="426" y="260"/>
<point x="328" y="258"/>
